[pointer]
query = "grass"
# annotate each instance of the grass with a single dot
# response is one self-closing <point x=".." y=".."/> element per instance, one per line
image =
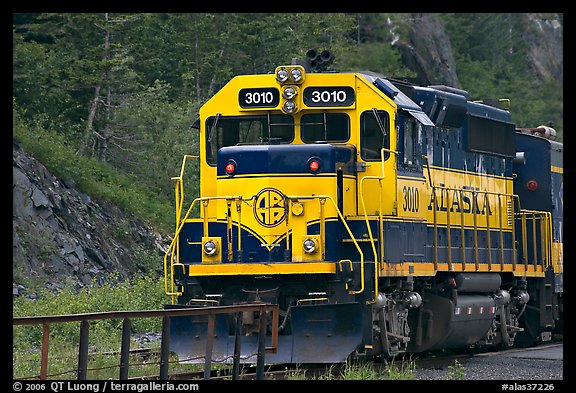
<point x="142" y="293"/>
<point x="456" y="372"/>
<point x="359" y="370"/>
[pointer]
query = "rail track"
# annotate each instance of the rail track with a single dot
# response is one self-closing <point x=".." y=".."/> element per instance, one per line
<point x="384" y="369"/>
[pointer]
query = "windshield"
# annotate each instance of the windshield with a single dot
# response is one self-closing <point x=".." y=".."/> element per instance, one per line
<point x="224" y="131"/>
<point x="325" y="127"/>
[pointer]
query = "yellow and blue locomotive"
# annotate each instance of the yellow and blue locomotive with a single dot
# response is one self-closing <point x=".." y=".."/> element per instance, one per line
<point x="380" y="216"/>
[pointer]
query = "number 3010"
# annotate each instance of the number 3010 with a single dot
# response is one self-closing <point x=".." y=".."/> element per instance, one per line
<point x="411" y="199"/>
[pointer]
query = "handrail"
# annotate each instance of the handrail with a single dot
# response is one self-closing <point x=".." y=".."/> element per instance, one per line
<point x="380" y="220"/>
<point x="501" y="233"/>
<point x="475" y="196"/>
<point x="475" y="225"/>
<point x="165" y="314"/>
<point x="545" y="219"/>
<point x="179" y="187"/>
<point x="320" y="197"/>
<point x="173" y="248"/>
<point x="178" y="202"/>
<point x="542" y="216"/>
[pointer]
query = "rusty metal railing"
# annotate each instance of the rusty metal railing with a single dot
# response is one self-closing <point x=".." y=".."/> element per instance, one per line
<point x="166" y="315"/>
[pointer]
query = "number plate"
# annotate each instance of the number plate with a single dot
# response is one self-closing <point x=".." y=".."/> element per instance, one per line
<point x="329" y="96"/>
<point x="265" y="97"/>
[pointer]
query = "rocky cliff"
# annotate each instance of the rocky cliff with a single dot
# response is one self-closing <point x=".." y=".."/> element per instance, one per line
<point x="62" y="236"/>
<point x="427" y="50"/>
<point x="546" y="53"/>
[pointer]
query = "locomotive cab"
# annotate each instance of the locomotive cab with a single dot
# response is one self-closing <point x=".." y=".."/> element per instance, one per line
<point x="379" y="216"/>
<point x="286" y="161"/>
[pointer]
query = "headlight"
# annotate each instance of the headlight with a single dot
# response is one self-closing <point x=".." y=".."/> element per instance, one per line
<point x="289" y="107"/>
<point x="289" y="93"/>
<point x="296" y="75"/>
<point x="209" y="247"/>
<point x="290" y="74"/>
<point x="282" y="75"/>
<point x="309" y="246"/>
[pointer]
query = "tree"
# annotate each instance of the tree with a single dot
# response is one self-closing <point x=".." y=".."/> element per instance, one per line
<point x="113" y="83"/>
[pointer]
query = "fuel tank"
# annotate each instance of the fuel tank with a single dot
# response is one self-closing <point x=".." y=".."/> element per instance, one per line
<point x="444" y="323"/>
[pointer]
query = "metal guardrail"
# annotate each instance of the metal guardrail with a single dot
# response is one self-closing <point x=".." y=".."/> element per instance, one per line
<point x="166" y="314"/>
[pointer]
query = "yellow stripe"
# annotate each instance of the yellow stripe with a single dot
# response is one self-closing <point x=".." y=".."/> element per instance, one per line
<point x="427" y="269"/>
<point x="261" y="268"/>
<point x="469" y="227"/>
<point x="557" y="169"/>
<point x="396" y="270"/>
<point x="386" y="218"/>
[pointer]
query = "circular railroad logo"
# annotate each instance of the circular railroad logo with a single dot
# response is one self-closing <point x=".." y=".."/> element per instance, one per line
<point x="269" y="207"/>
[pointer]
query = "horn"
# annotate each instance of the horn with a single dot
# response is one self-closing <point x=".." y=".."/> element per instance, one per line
<point x="326" y="56"/>
<point x="311" y="54"/>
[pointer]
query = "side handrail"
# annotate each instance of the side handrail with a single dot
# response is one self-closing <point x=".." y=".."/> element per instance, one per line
<point x="545" y="219"/>
<point x="173" y="248"/>
<point x="522" y="214"/>
<point x="380" y="220"/>
<point x="179" y="187"/>
<point x="475" y="195"/>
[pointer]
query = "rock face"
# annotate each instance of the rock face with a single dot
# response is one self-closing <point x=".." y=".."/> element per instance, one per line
<point x="428" y="52"/>
<point x="63" y="236"/>
<point x="546" y="53"/>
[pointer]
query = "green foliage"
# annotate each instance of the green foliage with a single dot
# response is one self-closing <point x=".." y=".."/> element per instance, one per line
<point x="403" y="372"/>
<point x="41" y="86"/>
<point x="363" y="370"/>
<point x="376" y="56"/>
<point x="93" y="177"/>
<point x="358" y="370"/>
<point x="60" y="59"/>
<point x="159" y="135"/>
<point x="456" y="372"/>
<point x="142" y="293"/>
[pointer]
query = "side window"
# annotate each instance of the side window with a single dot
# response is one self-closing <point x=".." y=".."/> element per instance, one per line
<point x="374" y="135"/>
<point x="412" y="130"/>
<point x="326" y="127"/>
